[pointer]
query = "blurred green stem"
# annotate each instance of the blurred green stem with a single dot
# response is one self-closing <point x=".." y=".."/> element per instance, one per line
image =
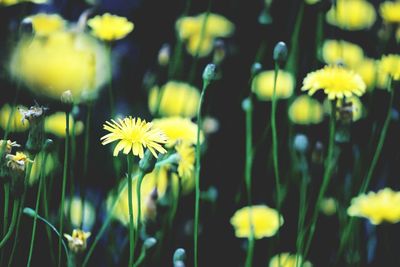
<point x="130" y="206"/>
<point x="12" y="225"/>
<point x="64" y="182"/>
<point x="6" y="204"/>
<point x="139" y="207"/>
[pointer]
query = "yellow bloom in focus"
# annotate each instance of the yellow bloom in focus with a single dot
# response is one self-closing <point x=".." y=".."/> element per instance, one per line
<point x="78" y="241"/>
<point x="288" y="260"/>
<point x="306" y="110"/>
<point x="200" y="32"/>
<point x="334" y="52"/>
<point x="45" y="24"/>
<point x="178" y="130"/>
<point x="389" y="65"/>
<point x="367" y="69"/>
<point x="55" y="124"/>
<point x="110" y="27"/>
<point x="62" y="61"/>
<point x="352" y="15"/>
<point x="50" y="165"/>
<point x="134" y="134"/>
<point x="156" y="180"/>
<point x="264" y="220"/>
<point x="174" y="99"/>
<point x="80" y="212"/>
<point x="16" y="124"/>
<point x="263" y="85"/>
<point x="383" y="206"/>
<point x="390" y="11"/>
<point x="336" y="81"/>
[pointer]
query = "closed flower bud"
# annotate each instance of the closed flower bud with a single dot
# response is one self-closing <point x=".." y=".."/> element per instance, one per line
<point x="179" y="255"/>
<point x="209" y="73"/>
<point x="280" y="53"/>
<point x="147" y="163"/>
<point x="247" y="105"/>
<point x="66" y="97"/>
<point x="300" y="143"/>
<point x="30" y="212"/>
<point x="164" y="55"/>
<point x="48" y="145"/>
<point x="150" y="242"/>
<point x="256" y="69"/>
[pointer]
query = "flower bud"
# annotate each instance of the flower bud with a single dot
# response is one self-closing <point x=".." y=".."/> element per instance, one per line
<point x="48" y="145"/>
<point x="247" y="105"/>
<point x="66" y="97"/>
<point x="147" y="163"/>
<point x="256" y="68"/>
<point x="30" y="212"/>
<point x="150" y="242"/>
<point x="280" y="53"/>
<point x="179" y="255"/>
<point x="164" y="55"/>
<point x="209" y="73"/>
<point x="300" y="143"/>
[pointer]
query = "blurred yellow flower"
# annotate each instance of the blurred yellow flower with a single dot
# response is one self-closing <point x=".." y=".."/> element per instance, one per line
<point x="390" y="11"/>
<point x="306" y="110"/>
<point x="186" y="154"/>
<point x="351" y="105"/>
<point x="63" y="61"/>
<point x="328" y="206"/>
<point x="177" y="99"/>
<point x="110" y="27"/>
<point x="7" y="146"/>
<point x="80" y="213"/>
<point x="389" y="65"/>
<point x="336" y="81"/>
<point x="134" y="134"/>
<point x="156" y="180"/>
<point x="50" y="165"/>
<point x="334" y="52"/>
<point x="14" y="2"/>
<point x="286" y="259"/>
<point x="382" y="206"/>
<point x="55" y="124"/>
<point x="352" y="15"/>
<point x="16" y="124"/>
<point x="263" y="85"/>
<point x="367" y="69"/>
<point x="44" y="24"/>
<point x="78" y="241"/>
<point x="264" y="221"/>
<point x="178" y="130"/>
<point x="200" y="32"/>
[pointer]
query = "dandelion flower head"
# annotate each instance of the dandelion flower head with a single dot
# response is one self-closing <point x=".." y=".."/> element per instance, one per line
<point x="337" y="82"/>
<point x="390" y="11"/>
<point x="44" y="24"/>
<point x="389" y="65"/>
<point x="134" y="134"/>
<point x="110" y="27"/>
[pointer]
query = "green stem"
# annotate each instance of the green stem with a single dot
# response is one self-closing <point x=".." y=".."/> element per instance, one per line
<point x="197" y="176"/>
<point x="46" y="214"/>
<point x="64" y="182"/>
<point x="291" y="64"/>
<point x="250" y="250"/>
<point x="249" y="148"/>
<point x="130" y="205"/>
<point x="41" y="178"/>
<point x="326" y="178"/>
<point x="275" y="150"/>
<point x="6" y="204"/>
<point x="139" y="207"/>
<point x="141" y="258"/>
<point x="12" y="225"/>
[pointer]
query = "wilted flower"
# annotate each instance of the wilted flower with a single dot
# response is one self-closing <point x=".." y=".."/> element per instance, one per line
<point x="7" y="146"/>
<point x="286" y="259"/>
<point x="382" y="206"/>
<point x="45" y="24"/>
<point x="174" y="99"/>
<point x="390" y="11"/>
<point x="78" y="241"/>
<point x="264" y="221"/>
<point x="55" y="124"/>
<point x="134" y="134"/>
<point x="263" y="85"/>
<point x="335" y="81"/>
<point x="110" y="27"/>
<point x="11" y="112"/>
<point x="200" y="40"/>
<point x="17" y="162"/>
<point x="178" y="130"/>
<point x="306" y="110"/>
<point x="390" y="65"/>
<point x="335" y="51"/>
<point x="351" y="15"/>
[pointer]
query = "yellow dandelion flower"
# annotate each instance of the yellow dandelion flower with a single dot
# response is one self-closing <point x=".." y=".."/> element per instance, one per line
<point x="50" y="165"/>
<point x="263" y="85"/>
<point x="349" y="54"/>
<point x="16" y="124"/>
<point x="352" y="15"/>
<point x="186" y="154"/>
<point x="80" y="212"/>
<point x="55" y="124"/>
<point x="367" y="69"/>
<point x="200" y="41"/>
<point x="178" y="130"/>
<point x="63" y="61"/>
<point x="77" y="243"/>
<point x="264" y="220"/>
<point x="177" y="99"/>
<point x="336" y="81"/>
<point x="287" y="259"/>
<point x="110" y="27"/>
<point x="382" y="206"/>
<point x="134" y="134"/>
<point x="390" y="11"/>
<point x="18" y="161"/>
<point x="156" y="180"/>
<point x="389" y="65"/>
<point x="306" y="110"/>
<point x="45" y="24"/>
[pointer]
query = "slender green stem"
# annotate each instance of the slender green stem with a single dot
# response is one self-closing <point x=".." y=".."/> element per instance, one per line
<point x="197" y="177"/>
<point x="139" y="204"/>
<point x="12" y="225"/>
<point x="64" y="182"/>
<point x="130" y="206"/>
<point x="249" y="148"/>
<point x="175" y="203"/>
<point x="275" y="150"/>
<point x="6" y="204"/>
<point x="46" y="215"/>
<point x="41" y="178"/>
<point x="250" y="250"/>
<point x="326" y="178"/>
<point x="141" y="258"/>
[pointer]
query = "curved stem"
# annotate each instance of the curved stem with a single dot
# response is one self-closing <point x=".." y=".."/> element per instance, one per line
<point x="64" y="182"/>
<point x="12" y="225"/>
